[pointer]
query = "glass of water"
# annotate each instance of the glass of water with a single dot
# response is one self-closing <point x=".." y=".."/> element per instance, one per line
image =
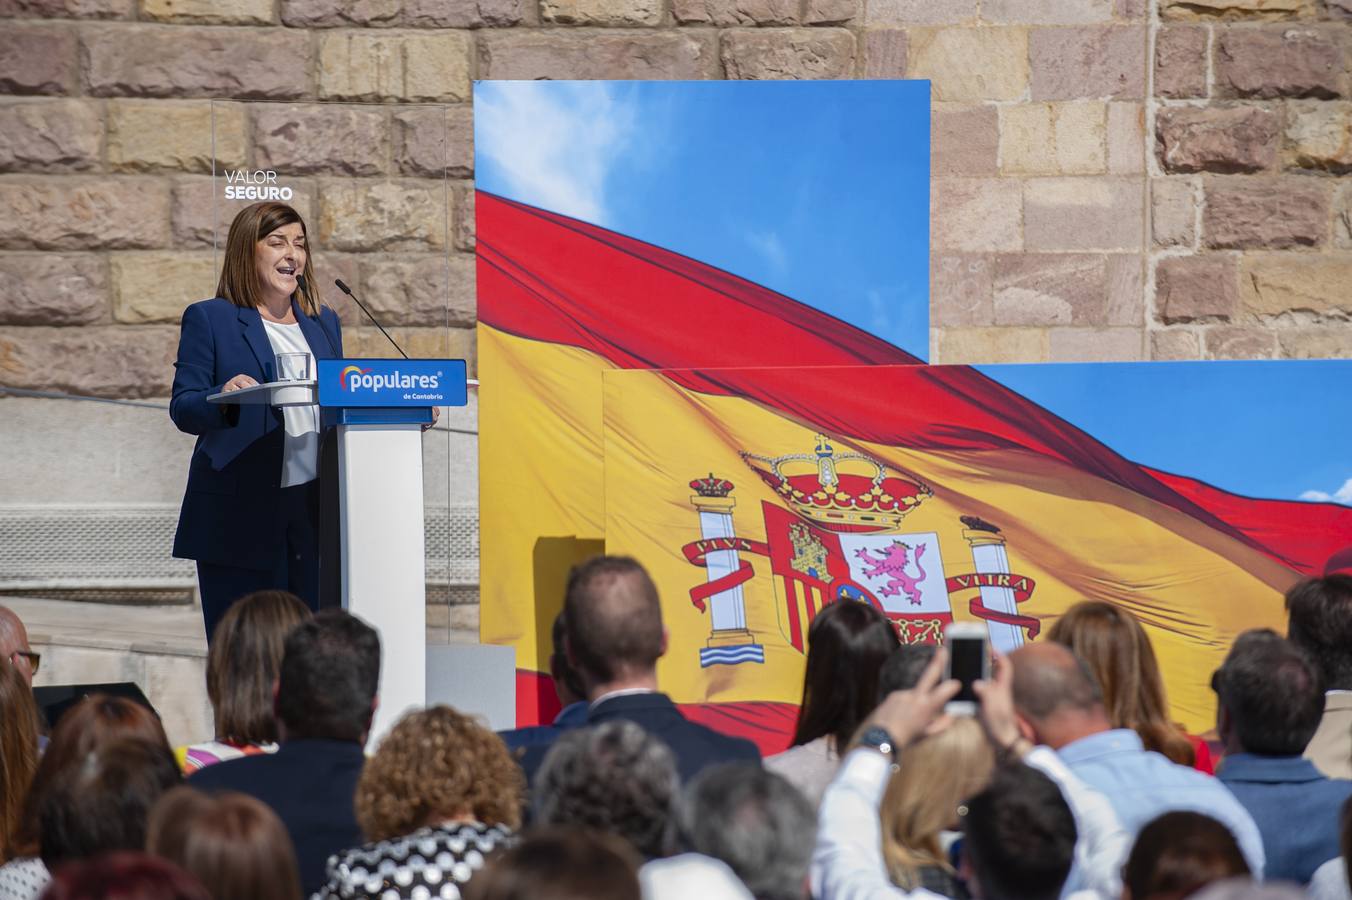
<point x="293" y="367"/>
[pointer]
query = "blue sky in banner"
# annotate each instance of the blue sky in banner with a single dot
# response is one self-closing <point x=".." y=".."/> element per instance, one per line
<point x="818" y="190"/>
<point x="1271" y="429"/>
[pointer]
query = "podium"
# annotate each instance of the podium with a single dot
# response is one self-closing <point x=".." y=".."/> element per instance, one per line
<point x="381" y="406"/>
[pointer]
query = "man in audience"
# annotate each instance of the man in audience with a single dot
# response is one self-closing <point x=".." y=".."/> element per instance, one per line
<point x="571" y="698"/>
<point x="753" y="820"/>
<point x="903" y="667"/>
<point x="14" y="647"/>
<point x="1058" y="704"/>
<point x="1271" y="700"/>
<point x="1020" y="836"/>
<point x="326" y="695"/>
<point x="613" y="635"/>
<point x="1320" y="623"/>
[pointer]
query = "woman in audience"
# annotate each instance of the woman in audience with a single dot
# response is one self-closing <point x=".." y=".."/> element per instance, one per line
<point x="1330" y="881"/>
<point x="242" y="664"/>
<point x="1179" y="853"/>
<point x="124" y="876"/>
<point x="92" y="723"/>
<point x="1118" y="652"/>
<point x="18" y="752"/>
<point x="923" y="804"/>
<point x="560" y="864"/>
<point x="230" y="841"/>
<point x="439" y="795"/>
<point x="846" y="646"/>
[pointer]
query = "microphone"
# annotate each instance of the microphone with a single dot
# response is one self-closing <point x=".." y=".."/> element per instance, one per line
<point x="347" y="290"/>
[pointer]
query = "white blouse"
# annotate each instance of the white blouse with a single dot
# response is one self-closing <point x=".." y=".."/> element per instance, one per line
<point x="300" y="450"/>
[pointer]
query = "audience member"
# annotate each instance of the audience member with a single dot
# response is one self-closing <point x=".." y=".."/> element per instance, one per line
<point x="560" y="864"/>
<point x="18" y="753"/>
<point x="1320" y="622"/>
<point x="1330" y="881"/>
<point x="1059" y="704"/>
<point x="924" y="800"/>
<point x="614" y="636"/>
<point x="1178" y="854"/>
<point x="1248" y="889"/>
<point x="572" y="699"/>
<point x="1020" y="836"/>
<point x="125" y="876"/>
<point x="1271" y="698"/>
<point x="91" y="724"/>
<point x="14" y="645"/>
<point x="690" y="875"/>
<point x="1117" y="651"/>
<point x="614" y="777"/>
<point x="903" y="667"/>
<point x="326" y="695"/>
<point x="846" y="647"/>
<point x="753" y="820"/>
<point x="104" y="803"/>
<point x="440" y="794"/>
<point x="231" y="842"/>
<point x="242" y="663"/>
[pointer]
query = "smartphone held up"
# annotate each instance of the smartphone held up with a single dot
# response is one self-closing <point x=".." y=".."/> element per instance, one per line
<point x="969" y="661"/>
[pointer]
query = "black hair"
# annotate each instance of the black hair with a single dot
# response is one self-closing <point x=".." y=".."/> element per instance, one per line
<point x="846" y="646"/>
<point x="1272" y="692"/>
<point x="1319" y="621"/>
<point x="903" y="667"/>
<point x="1020" y="835"/>
<point x="328" y="678"/>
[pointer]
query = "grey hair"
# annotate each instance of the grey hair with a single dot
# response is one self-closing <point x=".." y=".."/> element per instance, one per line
<point x="614" y="777"/>
<point x="753" y="820"/>
<point x="11" y="627"/>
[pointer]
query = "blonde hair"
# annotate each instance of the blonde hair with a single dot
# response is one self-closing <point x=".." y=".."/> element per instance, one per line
<point x="239" y="279"/>
<point x="941" y="771"/>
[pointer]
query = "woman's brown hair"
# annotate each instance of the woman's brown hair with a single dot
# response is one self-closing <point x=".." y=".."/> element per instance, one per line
<point x="1179" y="853"/>
<point x="230" y="841"/>
<point x="243" y="662"/>
<point x="18" y="751"/>
<point x="239" y="278"/>
<point x="1117" y="651"/>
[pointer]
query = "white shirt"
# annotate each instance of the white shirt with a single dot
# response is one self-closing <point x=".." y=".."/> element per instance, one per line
<point x="300" y="449"/>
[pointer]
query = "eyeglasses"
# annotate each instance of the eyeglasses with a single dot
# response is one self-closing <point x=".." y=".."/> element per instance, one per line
<point x="34" y="659"/>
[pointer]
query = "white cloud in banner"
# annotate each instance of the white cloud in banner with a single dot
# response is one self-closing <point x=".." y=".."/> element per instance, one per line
<point x="1342" y="495"/>
<point x="554" y="144"/>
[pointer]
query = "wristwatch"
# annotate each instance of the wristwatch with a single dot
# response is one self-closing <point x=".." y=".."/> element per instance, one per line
<point x="878" y="738"/>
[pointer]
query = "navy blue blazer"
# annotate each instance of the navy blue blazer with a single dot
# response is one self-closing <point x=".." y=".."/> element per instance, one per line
<point x="234" y="479"/>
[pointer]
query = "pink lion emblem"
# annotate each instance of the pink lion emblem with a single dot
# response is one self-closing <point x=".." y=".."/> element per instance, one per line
<point x="892" y="566"/>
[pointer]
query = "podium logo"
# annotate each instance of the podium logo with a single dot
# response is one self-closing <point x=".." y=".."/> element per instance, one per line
<point x="255" y="184"/>
<point x="345" y="376"/>
<point x="354" y="379"/>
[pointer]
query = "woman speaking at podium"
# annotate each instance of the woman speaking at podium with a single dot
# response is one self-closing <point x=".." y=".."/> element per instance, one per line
<point x="251" y="510"/>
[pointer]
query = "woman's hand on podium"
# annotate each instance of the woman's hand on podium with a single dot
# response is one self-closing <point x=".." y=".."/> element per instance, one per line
<point x="239" y="381"/>
<point x="436" y="414"/>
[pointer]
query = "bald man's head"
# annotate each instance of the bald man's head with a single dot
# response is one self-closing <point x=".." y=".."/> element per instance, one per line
<point x="1048" y="678"/>
<point x="13" y="639"/>
<point x="613" y="619"/>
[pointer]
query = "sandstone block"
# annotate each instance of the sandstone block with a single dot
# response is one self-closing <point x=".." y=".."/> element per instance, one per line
<point x="52" y="288"/>
<point x="1175" y="344"/>
<point x="434" y="142"/>
<point x="355" y="65"/>
<point x="49" y="136"/>
<point x="1238" y="139"/>
<point x="601" y="12"/>
<point x="735" y="12"/>
<point x="1103" y="214"/>
<point x="1095" y="344"/>
<point x="1239" y="342"/>
<point x="1197" y="288"/>
<point x="1234" y="9"/>
<point x="1279" y="62"/>
<point x="83" y="214"/>
<point x="351" y="268"/>
<point x="209" y="12"/>
<point x="1255" y="213"/>
<point x="1053" y="138"/>
<point x="965" y="140"/>
<point x="38" y="59"/>
<point x="1129" y="10"/>
<point x="1126" y="138"/>
<point x="1319" y="136"/>
<point x="107" y="361"/>
<point x="921" y="12"/>
<point x="884" y="53"/>
<point x="976" y="214"/>
<point x="176" y="61"/>
<point x="830" y="12"/>
<point x="68" y="9"/>
<point x="961" y="290"/>
<point x="1326" y="342"/>
<point x="386" y="215"/>
<point x="462" y="215"/>
<point x="1342" y="217"/>
<point x="970" y="64"/>
<point x="1272" y="284"/>
<point x="1180" y="61"/>
<point x="328" y="140"/>
<point x="1173" y="212"/>
<point x="1047" y="12"/>
<point x="167" y="135"/>
<point x="1066" y="289"/>
<point x="1106" y="61"/>
<point x="529" y="55"/>
<point x="1126" y="289"/>
<point x="157" y="287"/>
<point x="788" y="53"/>
<point x="1338" y="8"/>
<point x="431" y="290"/>
<point x="991" y="345"/>
<point x="402" y="13"/>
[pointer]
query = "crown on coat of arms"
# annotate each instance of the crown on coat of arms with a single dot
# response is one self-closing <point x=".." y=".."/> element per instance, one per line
<point x="845" y="491"/>
<point x="711" y="486"/>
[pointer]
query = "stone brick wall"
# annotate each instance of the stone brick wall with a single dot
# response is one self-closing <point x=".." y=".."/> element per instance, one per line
<point x="1113" y="179"/>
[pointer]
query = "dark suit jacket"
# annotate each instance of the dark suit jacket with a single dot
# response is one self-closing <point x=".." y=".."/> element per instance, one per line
<point x="229" y="514"/>
<point x="695" y="746"/>
<point x="310" y="785"/>
<point x="574" y="715"/>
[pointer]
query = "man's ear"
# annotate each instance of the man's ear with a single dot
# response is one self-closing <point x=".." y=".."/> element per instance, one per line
<point x="276" y="690"/>
<point x="568" y="652"/>
<point x="1224" y="723"/>
<point x="1026" y="729"/>
<point x="665" y="635"/>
